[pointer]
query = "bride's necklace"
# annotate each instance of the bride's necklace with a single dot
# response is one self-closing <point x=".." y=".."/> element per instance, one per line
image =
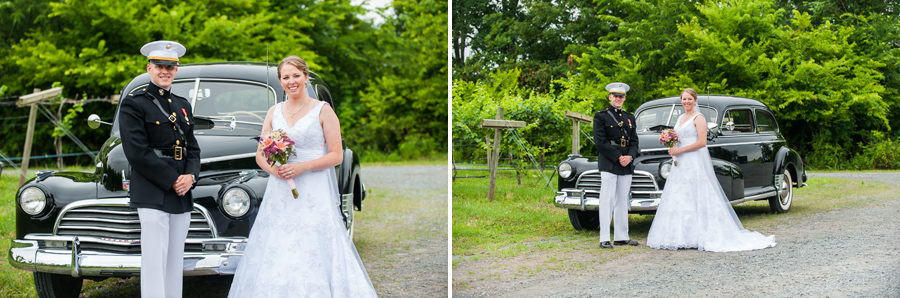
<point x="298" y="110"/>
<point x="684" y="119"/>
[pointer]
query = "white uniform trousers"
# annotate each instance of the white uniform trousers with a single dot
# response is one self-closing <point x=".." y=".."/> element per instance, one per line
<point x="614" y="200"/>
<point x="162" y="252"/>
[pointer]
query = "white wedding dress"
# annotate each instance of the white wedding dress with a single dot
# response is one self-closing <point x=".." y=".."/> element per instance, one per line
<point x="299" y="247"/>
<point x="693" y="211"/>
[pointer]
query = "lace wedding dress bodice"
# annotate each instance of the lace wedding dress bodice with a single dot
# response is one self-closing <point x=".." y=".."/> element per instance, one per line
<point x="693" y="210"/>
<point x="299" y="247"/>
<point x="687" y="133"/>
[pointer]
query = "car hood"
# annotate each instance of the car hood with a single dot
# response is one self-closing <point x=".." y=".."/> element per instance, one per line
<point x="649" y="140"/>
<point x="217" y="154"/>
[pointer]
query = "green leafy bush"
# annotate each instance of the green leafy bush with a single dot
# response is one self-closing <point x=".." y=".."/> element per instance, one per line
<point x="547" y="131"/>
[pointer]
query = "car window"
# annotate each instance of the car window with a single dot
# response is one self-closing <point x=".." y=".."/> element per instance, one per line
<point x="244" y="101"/>
<point x="668" y="115"/>
<point x="765" y="121"/>
<point x="737" y="121"/>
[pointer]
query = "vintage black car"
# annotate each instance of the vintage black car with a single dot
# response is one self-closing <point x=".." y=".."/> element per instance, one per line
<point x="750" y="158"/>
<point x="72" y="226"/>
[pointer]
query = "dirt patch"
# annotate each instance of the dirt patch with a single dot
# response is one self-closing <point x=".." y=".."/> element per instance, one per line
<point x="402" y="231"/>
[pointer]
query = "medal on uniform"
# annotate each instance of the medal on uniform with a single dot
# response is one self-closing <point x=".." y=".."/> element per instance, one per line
<point x="629" y="124"/>
<point x="185" y="116"/>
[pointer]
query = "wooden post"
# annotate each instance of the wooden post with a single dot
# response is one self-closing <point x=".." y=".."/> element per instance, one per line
<point x="497" y="125"/>
<point x="576" y="128"/>
<point x="495" y="157"/>
<point x="29" y="136"/>
<point x="32" y="100"/>
<point x="487" y="153"/>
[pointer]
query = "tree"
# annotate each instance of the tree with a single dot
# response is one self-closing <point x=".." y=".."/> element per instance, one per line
<point x="412" y="87"/>
<point x="534" y="36"/>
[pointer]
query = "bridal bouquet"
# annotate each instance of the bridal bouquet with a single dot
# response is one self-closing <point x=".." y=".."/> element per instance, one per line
<point x="669" y="138"/>
<point x="277" y="147"/>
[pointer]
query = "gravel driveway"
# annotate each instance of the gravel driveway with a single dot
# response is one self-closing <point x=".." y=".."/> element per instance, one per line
<point x="847" y="252"/>
<point x="401" y="232"/>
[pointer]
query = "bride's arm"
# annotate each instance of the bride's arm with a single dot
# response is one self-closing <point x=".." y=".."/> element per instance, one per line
<point x="700" y="124"/>
<point x="332" y="129"/>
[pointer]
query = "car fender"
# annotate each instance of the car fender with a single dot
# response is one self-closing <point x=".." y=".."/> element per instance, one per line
<point x="790" y="160"/>
<point x="61" y="188"/>
<point x="349" y="178"/>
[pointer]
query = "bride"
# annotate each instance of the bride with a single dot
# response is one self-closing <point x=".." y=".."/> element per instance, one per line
<point x="694" y="212"/>
<point x="299" y="247"/>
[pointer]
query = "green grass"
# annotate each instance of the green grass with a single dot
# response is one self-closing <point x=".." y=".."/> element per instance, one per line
<point x="13" y="282"/>
<point x="517" y="215"/>
<point x="522" y="223"/>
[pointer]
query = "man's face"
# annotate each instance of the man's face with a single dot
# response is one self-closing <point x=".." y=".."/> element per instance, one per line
<point x="616" y="100"/>
<point x="162" y="75"/>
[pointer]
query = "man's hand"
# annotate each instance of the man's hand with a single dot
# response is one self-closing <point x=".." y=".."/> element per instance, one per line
<point x="183" y="184"/>
<point x="624" y="160"/>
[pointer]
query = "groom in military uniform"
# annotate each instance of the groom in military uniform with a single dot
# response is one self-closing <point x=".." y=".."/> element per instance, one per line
<point x="616" y="140"/>
<point x="157" y="134"/>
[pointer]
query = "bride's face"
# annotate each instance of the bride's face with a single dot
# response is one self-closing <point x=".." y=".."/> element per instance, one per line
<point x="292" y="80"/>
<point x="687" y="101"/>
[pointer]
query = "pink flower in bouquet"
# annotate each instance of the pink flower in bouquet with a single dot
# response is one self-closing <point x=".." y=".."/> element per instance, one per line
<point x="669" y="138"/>
<point x="277" y="147"/>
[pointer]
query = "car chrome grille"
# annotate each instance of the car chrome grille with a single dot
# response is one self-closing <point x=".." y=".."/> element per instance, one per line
<point x="591" y="182"/>
<point x="117" y="228"/>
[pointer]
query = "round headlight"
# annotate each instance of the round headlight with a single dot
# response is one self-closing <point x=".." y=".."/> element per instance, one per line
<point x="236" y="202"/>
<point x="33" y="200"/>
<point x="664" y="170"/>
<point x="565" y="170"/>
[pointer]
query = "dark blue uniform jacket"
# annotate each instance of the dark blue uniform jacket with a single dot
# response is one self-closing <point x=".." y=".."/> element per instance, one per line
<point x="143" y="128"/>
<point x="608" y="136"/>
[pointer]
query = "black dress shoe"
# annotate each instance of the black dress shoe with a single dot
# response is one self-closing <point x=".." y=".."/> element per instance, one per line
<point x="624" y="242"/>
<point x="606" y="244"/>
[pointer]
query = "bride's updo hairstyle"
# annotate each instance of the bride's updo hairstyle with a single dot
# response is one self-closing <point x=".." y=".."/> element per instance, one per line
<point x="296" y="61"/>
<point x="691" y="92"/>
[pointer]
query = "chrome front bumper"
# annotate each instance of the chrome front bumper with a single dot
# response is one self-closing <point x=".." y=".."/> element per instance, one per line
<point x="575" y="198"/>
<point x="220" y="257"/>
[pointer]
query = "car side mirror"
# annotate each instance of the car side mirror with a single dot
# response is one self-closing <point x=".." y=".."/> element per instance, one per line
<point x="94" y="121"/>
<point x="712" y="131"/>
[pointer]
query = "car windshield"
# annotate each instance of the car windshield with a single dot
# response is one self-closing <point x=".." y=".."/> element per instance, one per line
<point x="667" y="115"/>
<point x="226" y="107"/>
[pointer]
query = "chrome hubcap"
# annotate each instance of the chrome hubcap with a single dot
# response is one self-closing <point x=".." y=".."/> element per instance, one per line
<point x="786" y="190"/>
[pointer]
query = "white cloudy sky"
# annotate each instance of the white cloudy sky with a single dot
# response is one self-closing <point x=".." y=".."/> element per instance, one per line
<point x="371" y="5"/>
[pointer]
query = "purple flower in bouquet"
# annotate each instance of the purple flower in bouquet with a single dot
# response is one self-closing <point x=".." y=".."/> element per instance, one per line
<point x="277" y="147"/>
<point x="669" y="138"/>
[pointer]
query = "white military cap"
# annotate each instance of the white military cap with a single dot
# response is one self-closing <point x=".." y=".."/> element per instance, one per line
<point x="163" y="52"/>
<point x="617" y="88"/>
